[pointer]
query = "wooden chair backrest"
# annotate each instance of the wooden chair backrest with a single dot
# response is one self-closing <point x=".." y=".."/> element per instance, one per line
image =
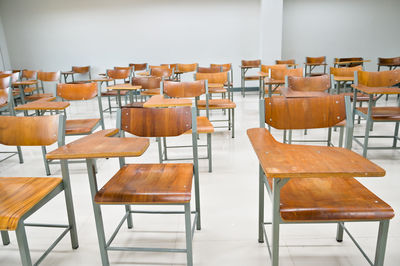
<point x="379" y="79"/>
<point x="304" y="113"/>
<point x="129" y="68"/>
<point x="32" y="130"/>
<point x="251" y="63"/>
<point x="164" y="66"/>
<point x="316" y="83"/>
<point x="5" y="81"/>
<point x="211" y="69"/>
<point x="285" y="62"/>
<point x="221" y="77"/>
<point x="138" y="67"/>
<point x="161" y="72"/>
<point x="393" y="60"/>
<point x="78" y="91"/>
<point x="345" y="71"/>
<point x="225" y="67"/>
<point x="118" y="73"/>
<point x="266" y="68"/>
<point x="81" y="70"/>
<point x="49" y="76"/>
<point x="316" y="60"/>
<point x="29" y="74"/>
<point x="184" y="89"/>
<point x="156" y="122"/>
<point x="280" y="74"/>
<point x="147" y="83"/>
<point x="187" y="67"/>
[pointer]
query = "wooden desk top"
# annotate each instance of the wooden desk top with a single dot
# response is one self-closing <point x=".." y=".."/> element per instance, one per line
<point x="377" y="90"/>
<point x="43" y="104"/>
<point x="101" y="144"/>
<point x="280" y="160"/>
<point x="125" y="86"/>
<point x="315" y="64"/>
<point x="249" y="66"/>
<point x="24" y="82"/>
<point x="68" y="72"/>
<point x="302" y="94"/>
<point x="160" y="101"/>
<point x="100" y="79"/>
<point x="342" y="78"/>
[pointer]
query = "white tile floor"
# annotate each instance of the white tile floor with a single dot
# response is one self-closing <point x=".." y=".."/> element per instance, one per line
<point x="229" y="209"/>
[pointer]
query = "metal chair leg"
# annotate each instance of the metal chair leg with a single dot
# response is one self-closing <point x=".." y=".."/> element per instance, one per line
<point x="233" y="123"/>
<point x="381" y="243"/>
<point x="339" y="233"/>
<point x="341" y="135"/>
<point x="261" y="205"/>
<point x="290" y="136"/>
<point x="188" y="231"/>
<point x="20" y="156"/>
<point x="209" y="152"/>
<point x="46" y="162"/>
<point x="165" y="148"/>
<point x="396" y="133"/>
<point x="109" y="104"/>
<point x="129" y="218"/>
<point x="159" y="150"/>
<point x="5" y="238"/>
<point x="23" y="245"/>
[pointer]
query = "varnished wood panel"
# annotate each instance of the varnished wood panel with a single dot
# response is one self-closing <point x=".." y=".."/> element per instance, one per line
<point x="49" y="76"/>
<point x="221" y="77"/>
<point x="75" y="92"/>
<point x="279" y="74"/>
<point x="81" y="69"/>
<point x="251" y="63"/>
<point x="345" y="71"/>
<point x="318" y="83"/>
<point x="379" y="79"/>
<point x="184" y="89"/>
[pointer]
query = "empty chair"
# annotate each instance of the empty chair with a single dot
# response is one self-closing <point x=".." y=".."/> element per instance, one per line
<point x="20" y="197"/>
<point x="288" y="62"/>
<point x="47" y="82"/>
<point x="246" y="65"/>
<point x="348" y="62"/>
<point x="314" y="62"/>
<point x="150" y="85"/>
<point x="138" y="67"/>
<point x="226" y="67"/>
<point x="118" y="75"/>
<point x="211" y="69"/>
<point x="193" y="89"/>
<point x="163" y="73"/>
<point x="184" y="68"/>
<point x="391" y="63"/>
<point x="276" y="78"/>
<point x="315" y="184"/>
<point x="81" y="70"/>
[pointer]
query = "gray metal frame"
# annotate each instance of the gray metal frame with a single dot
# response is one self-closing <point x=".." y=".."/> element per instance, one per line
<point x="243" y="71"/>
<point x="71" y="227"/>
<point x="274" y="194"/>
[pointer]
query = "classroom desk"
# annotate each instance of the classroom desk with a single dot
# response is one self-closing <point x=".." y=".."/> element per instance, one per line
<point x="124" y="87"/>
<point x="341" y="82"/>
<point x="101" y="144"/>
<point x="348" y="63"/>
<point x="265" y="80"/>
<point x="376" y="114"/>
<point x="42" y="105"/>
<point x="160" y="101"/>
<point x="68" y="73"/>
<point x="22" y="85"/>
<point x="243" y="71"/>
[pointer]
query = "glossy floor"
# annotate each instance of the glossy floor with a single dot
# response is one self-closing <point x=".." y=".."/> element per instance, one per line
<point x="229" y="198"/>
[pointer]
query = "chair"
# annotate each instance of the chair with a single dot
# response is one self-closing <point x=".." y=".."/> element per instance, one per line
<point x="288" y="62"/>
<point x="215" y="87"/>
<point x="276" y="78"/>
<point x="153" y="184"/>
<point x="343" y="75"/>
<point x="246" y="65"/>
<point x="211" y="69"/>
<point x="313" y="62"/>
<point x="163" y="73"/>
<point x="122" y="74"/>
<point x="81" y="71"/>
<point x="150" y="85"/>
<point x="20" y="197"/>
<point x="391" y="63"/>
<point x="339" y="62"/>
<point x="30" y="75"/>
<point x="194" y="90"/>
<point x="314" y="184"/>
<point x="225" y="68"/>
<point x="45" y="79"/>
<point x="377" y="83"/>
<point x="217" y="81"/>
<point x="138" y="67"/>
<point x="184" y="68"/>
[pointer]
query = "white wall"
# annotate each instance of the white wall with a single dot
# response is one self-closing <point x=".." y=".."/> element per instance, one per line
<point x="55" y="34"/>
<point x="4" y="59"/>
<point x="341" y="28"/>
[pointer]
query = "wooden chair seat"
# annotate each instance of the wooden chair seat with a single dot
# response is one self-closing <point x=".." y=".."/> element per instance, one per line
<point x="382" y="113"/>
<point x="361" y="97"/>
<point x="39" y="96"/>
<point x="80" y="126"/>
<point x="150" y="92"/>
<point x="331" y="199"/>
<point x="217" y="90"/>
<point x="113" y="93"/>
<point x="251" y="78"/>
<point x="148" y="184"/>
<point x="216" y="104"/>
<point x="203" y="126"/>
<point x="18" y="195"/>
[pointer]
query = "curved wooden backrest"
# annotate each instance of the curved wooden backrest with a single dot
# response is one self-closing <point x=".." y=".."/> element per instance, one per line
<point x="156" y="122"/>
<point x="77" y="91"/>
<point x="266" y="68"/>
<point x="137" y="67"/>
<point x="81" y="70"/>
<point x="225" y="67"/>
<point x="389" y="61"/>
<point x="316" y="83"/>
<point x="379" y="79"/>
<point x="184" y="89"/>
<point x="118" y="73"/>
<point x="316" y="60"/>
<point x="164" y="66"/>
<point x="5" y="81"/>
<point x="29" y="74"/>
<point x="221" y="77"/>
<point x="147" y="83"/>
<point x="279" y="74"/>
<point x="187" y="67"/>
<point x="48" y="76"/>
<point x="211" y="69"/>
<point x="304" y="113"/>
<point x="345" y="71"/>
<point x="3" y="96"/>
<point x="32" y="130"/>
<point x="285" y="62"/>
<point x="251" y="63"/>
<point x="124" y="68"/>
<point x="161" y="72"/>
